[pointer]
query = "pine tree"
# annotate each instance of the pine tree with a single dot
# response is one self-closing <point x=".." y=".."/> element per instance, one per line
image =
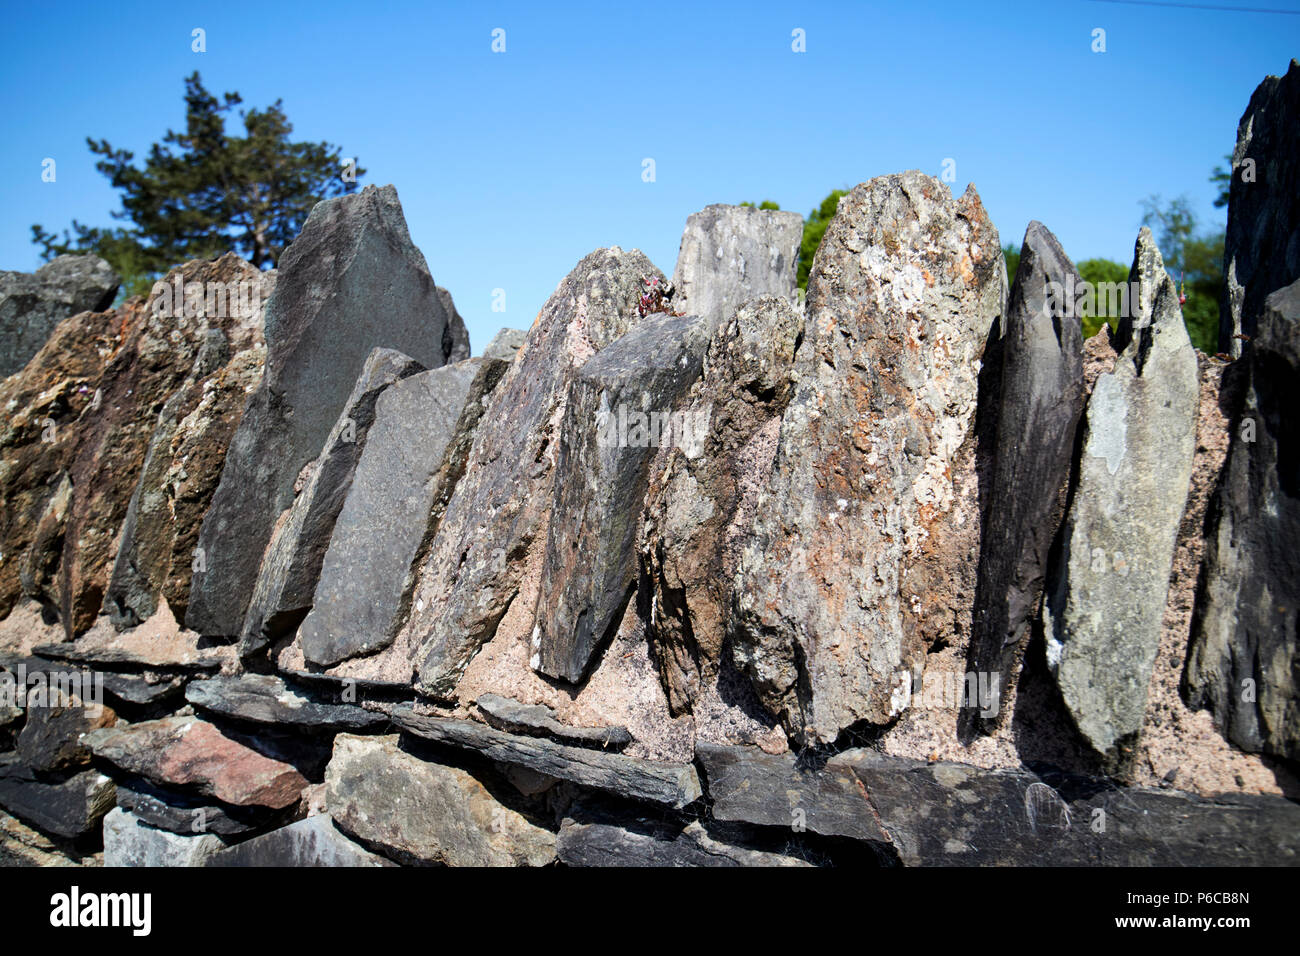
<point x="201" y="193"/>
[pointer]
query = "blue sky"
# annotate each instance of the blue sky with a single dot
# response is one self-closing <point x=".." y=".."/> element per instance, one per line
<point x="513" y="166"/>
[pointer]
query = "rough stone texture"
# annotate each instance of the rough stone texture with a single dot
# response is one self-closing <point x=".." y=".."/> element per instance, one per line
<point x="538" y="720"/>
<point x="51" y="737"/>
<point x="1261" y="249"/>
<point x="673" y="784"/>
<point x="1040" y="401"/>
<point x="266" y="699"/>
<point x="188" y="752"/>
<point x="185" y="454"/>
<point x="505" y="345"/>
<point x="111" y="439"/>
<point x="422" y="812"/>
<point x="32" y="304"/>
<point x="731" y="254"/>
<point x="700" y="497"/>
<point x="311" y="842"/>
<point x="864" y="547"/>
<point x="745" y="784"/>
<point x="613" y="427"/>
<point x="352" y="281"/>
<point x="1106" y="598"/>
<point x="291" y="568"/>
<point x="588" y="839"/>
<point x="500" y="506"/>
<point x="361" y="598"/>
<point x="67" y="807"/>
<point x="129" y="841"/>
<point x="1244" y="658"/>
<point x="47" y="407"/>
<point x="455" y="339"/>
<point x="937" y="814"/>
<point x="188" y="815"/>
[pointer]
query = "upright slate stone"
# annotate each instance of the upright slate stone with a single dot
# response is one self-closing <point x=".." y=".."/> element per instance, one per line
<point x="623" y="405"/>
<point x="864" y="545"/>
<point x="690" y="547"/>
<point x="731" y="254"/>
<point x="1039" y="407"/>
<point x="1244" y="657"/>
<point x="351" y="282"/>
<point x="188" y="446"/>
<point x="32" y="304"/>
<point x="1106" y="598"/>
<point x="365" y="576"/>
<point x="291" y="568"/>
<point x="499" y="508"/>
<point x="1261" y="249"/>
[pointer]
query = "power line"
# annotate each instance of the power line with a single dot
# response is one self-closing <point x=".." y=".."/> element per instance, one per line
<point x="1199" y="6"/>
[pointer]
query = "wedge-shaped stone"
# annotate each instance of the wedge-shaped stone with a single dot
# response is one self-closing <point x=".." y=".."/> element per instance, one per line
<point x="1261" y="248"/>
<point x="422" y="812"/>
<point x="366" y="576"/>
<point x="1243" y="656"/>
<point x="314" y="841"/>
<point x="67" y="807"/>
<point x="1105" y="601"/>
<point x="689" y="541"/>
<point x="291" y="569"/>
<point x="266" y="699"/>
<point x="654" y="781"/>
<point x="499" y="508"/>
<point x="537" y="720"/>
<point x="623" y="405"/>
<point x="731" y="254"/>
<point x="1039" y="403"/>
<point x="191" y="753"/>
<point x="864" y="545"/>
<point x="352" y="281"/>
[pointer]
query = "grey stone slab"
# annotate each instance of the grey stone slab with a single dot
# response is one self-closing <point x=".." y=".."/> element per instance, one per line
<point x="731" y="254"/>
<point x="1104" y="610"/>
<point x="366" y="575"/>
<point x="623" y="405"/>
<point x="291" y="568"/>
<point x="352" y="281"/>
<point x="673" y="784"/>
<point x="314" y="841"/>
<point x="267" y="699"/>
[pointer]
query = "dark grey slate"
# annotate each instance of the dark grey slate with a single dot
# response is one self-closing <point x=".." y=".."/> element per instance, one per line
<point x="595" y="839"/>
<point x="602" y="471"/>
<point x="1040" y="402"/>
<point x="187" y="814"/>
<point x="366" y="576"/>
<point x="33" y="303"/>
<point x="655" y="781"/>
<point x="291" y="568"/>
<point x="538" y="720"/>
<point x="352" y="281"/>
<point x="947" y="814"/>
<point x="1261" y="248"/>
<point x="266" y="699"/>
<point x="1244" y="657"/>
<point x="68" y="807"/>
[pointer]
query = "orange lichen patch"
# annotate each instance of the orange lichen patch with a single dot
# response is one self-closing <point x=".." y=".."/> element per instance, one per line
<point x="965" y="269"/>
<point x="929" y="278"/>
